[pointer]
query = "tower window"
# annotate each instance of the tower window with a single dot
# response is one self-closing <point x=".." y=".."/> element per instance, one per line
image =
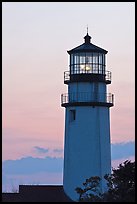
<point x="72" y="115"/>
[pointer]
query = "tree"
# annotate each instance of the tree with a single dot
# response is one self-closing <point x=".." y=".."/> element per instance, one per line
<point x="121" y="183"/>
<point x="91" y="190"/>
<point x="121" y="186"/>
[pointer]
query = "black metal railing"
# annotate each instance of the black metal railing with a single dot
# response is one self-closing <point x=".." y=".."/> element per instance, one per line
<point x="86" y="97"/>
<point x="68" y="74"/>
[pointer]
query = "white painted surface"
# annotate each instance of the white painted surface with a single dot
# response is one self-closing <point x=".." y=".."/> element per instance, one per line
<point x="87" y="87"/>
<point x="87" y="145"/>
<point x="83" y="92"/>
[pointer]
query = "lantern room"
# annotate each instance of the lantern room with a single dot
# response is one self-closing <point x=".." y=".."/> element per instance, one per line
<point x="87" y="62"/>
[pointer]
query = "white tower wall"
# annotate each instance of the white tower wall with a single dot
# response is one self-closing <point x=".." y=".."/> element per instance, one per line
<point x="87" y="87"/>
<point x="87" y="147"/>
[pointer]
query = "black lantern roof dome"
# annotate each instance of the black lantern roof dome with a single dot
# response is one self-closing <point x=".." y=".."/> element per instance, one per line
<point x="87" y="46"/>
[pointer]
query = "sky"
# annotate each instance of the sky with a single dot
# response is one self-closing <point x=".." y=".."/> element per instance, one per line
<point x="35" y="39"/>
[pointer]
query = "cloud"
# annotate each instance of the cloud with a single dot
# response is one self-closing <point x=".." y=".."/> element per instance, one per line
<point x="58" y="150"/>
<point x="41" y="150"/>
<point x="122" y="150"/>
<point x="30" y="165"/>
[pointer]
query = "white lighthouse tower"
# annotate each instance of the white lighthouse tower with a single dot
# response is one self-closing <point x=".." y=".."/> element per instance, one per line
<point x="87" y="120"/>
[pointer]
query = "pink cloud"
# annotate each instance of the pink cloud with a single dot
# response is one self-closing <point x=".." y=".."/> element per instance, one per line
<point x="115" y="163"/>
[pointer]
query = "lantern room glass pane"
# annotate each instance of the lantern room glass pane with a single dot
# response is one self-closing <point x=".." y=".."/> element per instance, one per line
<point x="71" y="58"/>
<point x="100" y="58"/>
<point x="87" y="62"/>
<point x="82" y="58"/>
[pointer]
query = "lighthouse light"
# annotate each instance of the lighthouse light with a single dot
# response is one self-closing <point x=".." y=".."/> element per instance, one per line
<point x="82" y="66"/>
<point x="86" y="67"/>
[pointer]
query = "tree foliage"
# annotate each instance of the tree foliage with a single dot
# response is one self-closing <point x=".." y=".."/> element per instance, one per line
<point x="90" y="191"/>
<point x="121" y="186"/>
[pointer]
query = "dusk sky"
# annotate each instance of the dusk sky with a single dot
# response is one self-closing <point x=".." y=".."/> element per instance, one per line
<point x="35" y="40"/>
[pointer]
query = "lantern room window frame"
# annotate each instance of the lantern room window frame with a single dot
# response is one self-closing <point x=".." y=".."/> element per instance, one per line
<point x="87" y="62"/>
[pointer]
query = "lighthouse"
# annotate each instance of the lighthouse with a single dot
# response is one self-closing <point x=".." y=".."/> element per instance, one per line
<point x="87" y="117"/>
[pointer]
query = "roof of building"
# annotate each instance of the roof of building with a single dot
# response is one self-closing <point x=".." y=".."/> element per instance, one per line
<point x="37" y="193"/>
<point x="87" y="46"/>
